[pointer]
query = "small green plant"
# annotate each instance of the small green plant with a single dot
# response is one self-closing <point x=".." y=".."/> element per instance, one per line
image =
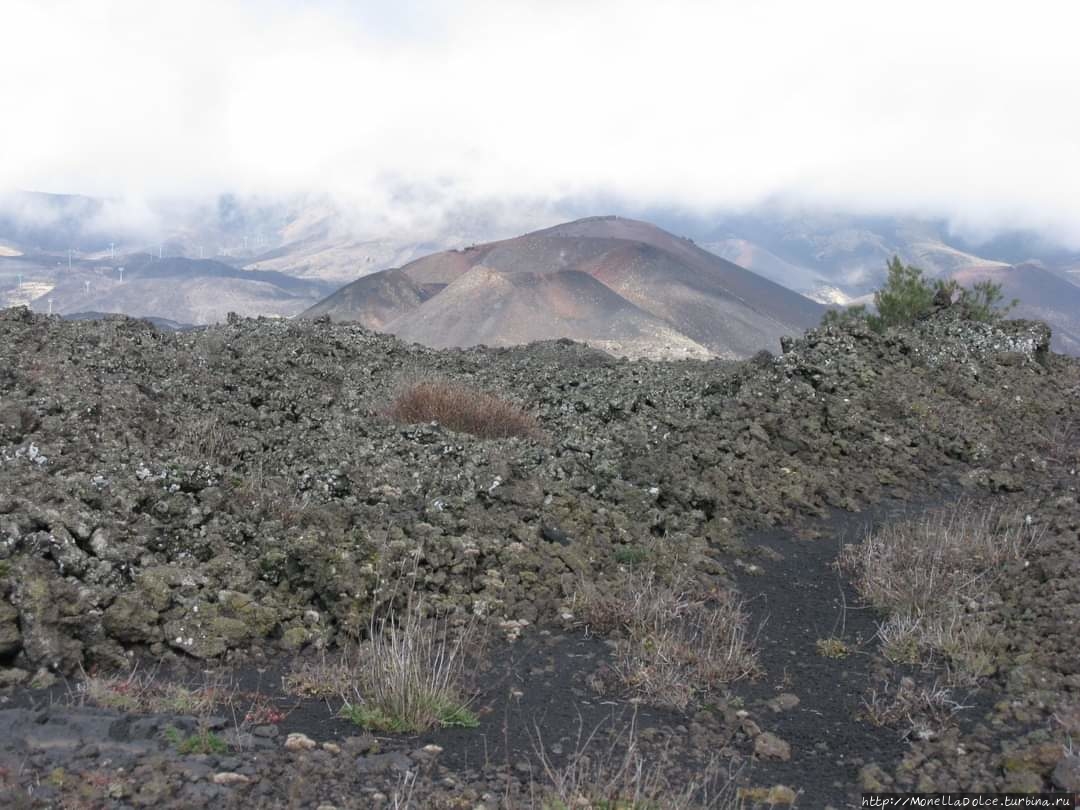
<point x="832" y="648"/>
<point x="5" y="568"/>
<point x="203" y="741"/>
<point x="372" y="718"/>
<point x="631" y="555"/>
<point x="458" y="717"/>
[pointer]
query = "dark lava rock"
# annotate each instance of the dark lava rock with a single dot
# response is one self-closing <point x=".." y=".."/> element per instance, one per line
<point x="209" y="492"/>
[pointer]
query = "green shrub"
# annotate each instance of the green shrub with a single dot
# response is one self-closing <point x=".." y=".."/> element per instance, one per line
<point x="905" y="298"/>
<point x="202" y="742"/>
<point x="908" y="296"/>
<point x="982" y="302"/>
<point x="845" y="316"/>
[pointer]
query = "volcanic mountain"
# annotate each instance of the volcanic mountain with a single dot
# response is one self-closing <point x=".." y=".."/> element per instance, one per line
<point x="619" y="284"/>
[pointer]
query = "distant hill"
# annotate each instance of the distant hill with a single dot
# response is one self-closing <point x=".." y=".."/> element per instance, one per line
<point x="619" y="284"/>
<point x="831" y="256"/>
<point x="188" y="291"/>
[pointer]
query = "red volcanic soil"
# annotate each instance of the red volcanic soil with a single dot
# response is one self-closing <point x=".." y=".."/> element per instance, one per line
<point x="605" y="280"/>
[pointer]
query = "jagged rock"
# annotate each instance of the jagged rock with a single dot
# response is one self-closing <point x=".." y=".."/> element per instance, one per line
<point x="10" y="636"/>
<point x="130" y="619"/>
<point x="245" y="470"/>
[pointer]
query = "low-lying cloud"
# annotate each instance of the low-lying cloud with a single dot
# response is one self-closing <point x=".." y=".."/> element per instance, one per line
<point x="408" y="109"/>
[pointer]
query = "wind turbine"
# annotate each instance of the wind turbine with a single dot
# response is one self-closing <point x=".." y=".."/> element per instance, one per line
<point x="70" y="251"/>
<point x="87" y="283"/>
<point x="160" y="250"/>
<point x="121" y="269"/>
<point x="112" y="250"/>
<point x="50" y="306"/>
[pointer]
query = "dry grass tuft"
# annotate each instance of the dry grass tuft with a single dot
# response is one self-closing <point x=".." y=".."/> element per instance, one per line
<point x="832" y="647"/>
<point x="619" y="776"/>
<point x="142" y="692"/>
<point x="922" y="710"/>
<point x="930" y="576"/>
<point x="463" y="409"/>
<point x="323" y="677"/>
<point x="673" y="642"/>
<point x="409" y="675"/>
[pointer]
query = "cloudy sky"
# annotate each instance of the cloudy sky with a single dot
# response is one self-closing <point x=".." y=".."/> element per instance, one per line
<point x="963" y="109"/>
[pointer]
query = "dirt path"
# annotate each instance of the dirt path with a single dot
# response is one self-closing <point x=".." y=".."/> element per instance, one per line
<point x="798" y="598"/>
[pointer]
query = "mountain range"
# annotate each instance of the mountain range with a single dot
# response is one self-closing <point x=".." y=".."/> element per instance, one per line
<point x="279" y="257"/>
<point x="187" y="291"/>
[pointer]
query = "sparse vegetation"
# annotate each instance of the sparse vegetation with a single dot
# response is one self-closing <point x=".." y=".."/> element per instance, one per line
<point x="832" y="647"/>
<point x="928" y="576"/>
<point x="322" y="677"/>
<point x="847" y="315"/>
<point x="922" y="710"/>
<point x="442" y="714"/>
<point x="463" y="409"/>
<point x="143" y="692"/>
<point x="673" y="642"/>
<point x="202" y="741"/>
<point x="631" y="555"/>
<point x="619" y="776"/>
<point x="408" y="676"/>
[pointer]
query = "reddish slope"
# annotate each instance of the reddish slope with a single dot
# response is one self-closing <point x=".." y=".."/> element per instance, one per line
<point x="373" y="300"/>
<point x="495" y="308"/>
<point x="598" y="280"/>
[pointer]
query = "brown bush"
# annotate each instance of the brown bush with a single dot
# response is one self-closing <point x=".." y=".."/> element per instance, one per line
<point x="458" y="407"/>
<point x="931" y="575"/>
<point x="673" y="642"/>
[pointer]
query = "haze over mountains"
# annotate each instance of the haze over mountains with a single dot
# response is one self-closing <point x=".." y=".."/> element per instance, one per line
<point x="189" y="291"/>
<point x="642" y="289"/>
<point x="621" y="285"/>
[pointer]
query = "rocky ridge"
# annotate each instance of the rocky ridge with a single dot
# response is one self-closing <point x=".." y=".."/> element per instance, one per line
<point x="204" y="492"/>
<point x="234" y="494"/>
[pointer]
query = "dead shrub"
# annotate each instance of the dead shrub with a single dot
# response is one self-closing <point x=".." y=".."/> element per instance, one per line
<point x="931" y="575"/>
<point x="322" y="677"/>
<point x="144" y="692"/>
<point x="673" y="642"/>
<point x="618" y="774"/>
<point x="922" y="711"/>
<point x="462" y="409"/>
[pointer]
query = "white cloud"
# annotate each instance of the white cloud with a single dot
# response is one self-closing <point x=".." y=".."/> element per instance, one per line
<point x="963" y="109"/>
